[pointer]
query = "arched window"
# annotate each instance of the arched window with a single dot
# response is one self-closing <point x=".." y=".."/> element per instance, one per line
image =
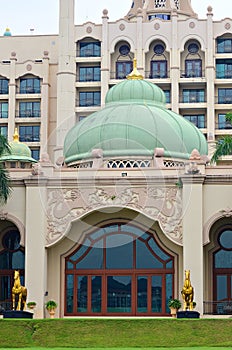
<point x="222" y="270"/>
<point x="119" y="269"/>
<point x="12" y="257"/>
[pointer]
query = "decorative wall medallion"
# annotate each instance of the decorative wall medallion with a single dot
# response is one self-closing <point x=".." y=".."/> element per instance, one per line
<point x="192" y="25"/>
<point x="122" y="26"/>
<point x="13" y="54"/>
<point x="29" y="67"/>
<point x="156" y="26"/>
<point x="227" y="26"/>
<point x="158" y="203"/>
<point x="89" y="30"/>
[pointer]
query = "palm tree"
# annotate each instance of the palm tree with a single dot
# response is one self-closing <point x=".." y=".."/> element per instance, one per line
<point x="5" y="188"/>
<point x="224" y="144"/>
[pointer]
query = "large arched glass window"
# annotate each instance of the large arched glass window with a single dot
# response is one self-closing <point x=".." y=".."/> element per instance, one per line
<point x="12" y="257"/>
<point x="119" y="269"/>
<point x="223" y="272"/>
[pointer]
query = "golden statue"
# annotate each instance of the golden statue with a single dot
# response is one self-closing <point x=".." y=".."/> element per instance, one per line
<point x="187" y="292"/>
<point x="19" y="291"/>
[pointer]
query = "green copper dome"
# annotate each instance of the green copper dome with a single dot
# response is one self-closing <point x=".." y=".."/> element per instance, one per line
<point x="19" y="152"/>
<point x="134" y="122"/>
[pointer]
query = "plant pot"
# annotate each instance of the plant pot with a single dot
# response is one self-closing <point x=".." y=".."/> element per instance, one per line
<point x="173" y="311"/>
<point x="52" y="313"/>
<point x="31" y="307"/>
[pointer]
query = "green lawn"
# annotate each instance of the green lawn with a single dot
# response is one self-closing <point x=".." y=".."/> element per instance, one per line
<point x="116" y="333"/>
<point x="183" y="348"/>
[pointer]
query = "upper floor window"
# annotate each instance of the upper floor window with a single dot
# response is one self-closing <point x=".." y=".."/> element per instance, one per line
<point x="4" y="130"/>
<point x="30" y="86"/>
<point x="4" y="86"/>
<point x="167" y="95"/>
<point x="123" y="68"/>
<point x="193" y="95"/>
<point x="197" y="120"/>
<point x="4" y="110"/>
<point x="159" y="15"/>
<point x="29" y="109"/>
<point x="89" y="74"/>
<point x="225" y="96"/>
<point x="193" y="68"/>
<point x="158" y="69"/>
<point x="35" y="153"/>
<point x="224" y="45"/>
<point x="223" y="123"/>
<point x="90" y="98"/>
<point x="29" y="133"/>
<point x="90" y="49"/>
<point x="224" y="69"/>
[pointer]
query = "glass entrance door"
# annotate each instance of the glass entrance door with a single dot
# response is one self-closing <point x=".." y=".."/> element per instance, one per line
<point x="118" y="270"/>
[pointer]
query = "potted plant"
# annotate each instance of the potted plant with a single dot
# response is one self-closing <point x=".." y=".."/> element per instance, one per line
<point x="51" y="306"/>
<point x="31" y="305"/>
<point x="174" y="305"/>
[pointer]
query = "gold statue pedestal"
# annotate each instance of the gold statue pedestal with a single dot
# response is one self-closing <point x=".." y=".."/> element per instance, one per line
<point x="17" y="314"/>
<point x="188" y="314"/>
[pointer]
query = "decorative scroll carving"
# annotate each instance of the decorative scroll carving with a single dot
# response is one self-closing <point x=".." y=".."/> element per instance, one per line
<point x="158" y="203"/>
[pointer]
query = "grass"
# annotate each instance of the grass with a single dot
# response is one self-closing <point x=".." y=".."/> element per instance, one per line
<point x="116" y="333"/>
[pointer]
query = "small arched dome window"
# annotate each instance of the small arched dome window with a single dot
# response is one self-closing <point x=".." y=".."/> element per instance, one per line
<point x="193" y="48"/>
<point x="124" y="50"/>
<point x="159" y="49"/>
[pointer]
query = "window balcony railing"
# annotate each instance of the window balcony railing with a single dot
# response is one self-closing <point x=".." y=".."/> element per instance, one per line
<point x="88" y="103"/>
<point x="3" y="114"/>
<point x="223" y="99"/>
<point x="217" y="307"/>
<point x="226" y="74"/>
<point x="88" y="52"/>
<point x="89" y="77"/>
<point x="28" y="90"/>
<point x="157" y="75"/>
<point x="29" y="138"/>
<point x="118" y="75"/>
<point x="4" y="91"/>
<point x="192" y="99"/>
<point x="223" y="125"/>
<point x="192" y="73"/>
<point x="28" y="114"/>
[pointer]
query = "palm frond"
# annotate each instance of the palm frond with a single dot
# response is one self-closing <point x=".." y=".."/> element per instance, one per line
<point x="5" y="188"/>
<point x="4" y="145"/>
<point x="223" y="148"/>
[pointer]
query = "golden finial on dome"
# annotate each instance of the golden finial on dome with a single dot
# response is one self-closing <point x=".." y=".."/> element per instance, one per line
<point x="134" y="75"/>
<point x="16" y="135"/>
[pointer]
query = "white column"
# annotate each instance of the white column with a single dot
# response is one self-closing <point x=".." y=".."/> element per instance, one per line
<point x="210" y="77"/>
<point x="139" y="42"/>
<point x="12" y="103"/>
<point x="105" y="57"/>
<point x="175" y="64"/>
<point x="44" y="105"/>
<point x="193" y="234"/>
<point x="66" y="75"/>
<point x="35" y="254"/>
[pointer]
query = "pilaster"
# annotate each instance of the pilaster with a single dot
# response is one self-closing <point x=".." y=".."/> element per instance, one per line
<point x="105" y="57"/>
<point x="193" y="233"/>
<point x="174" y="64"/>
<point x="12" y="93"/>
<point x="66" y="75"/>
<point x="210" y="76"/>
<point x="44" y="104"/>
<point x="35" y="253"/>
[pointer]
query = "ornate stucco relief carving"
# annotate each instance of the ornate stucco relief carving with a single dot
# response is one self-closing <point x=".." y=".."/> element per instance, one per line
<point x="162" y="204"/>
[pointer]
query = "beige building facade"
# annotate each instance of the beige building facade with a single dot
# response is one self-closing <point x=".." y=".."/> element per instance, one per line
<point x="123" y="197"/>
